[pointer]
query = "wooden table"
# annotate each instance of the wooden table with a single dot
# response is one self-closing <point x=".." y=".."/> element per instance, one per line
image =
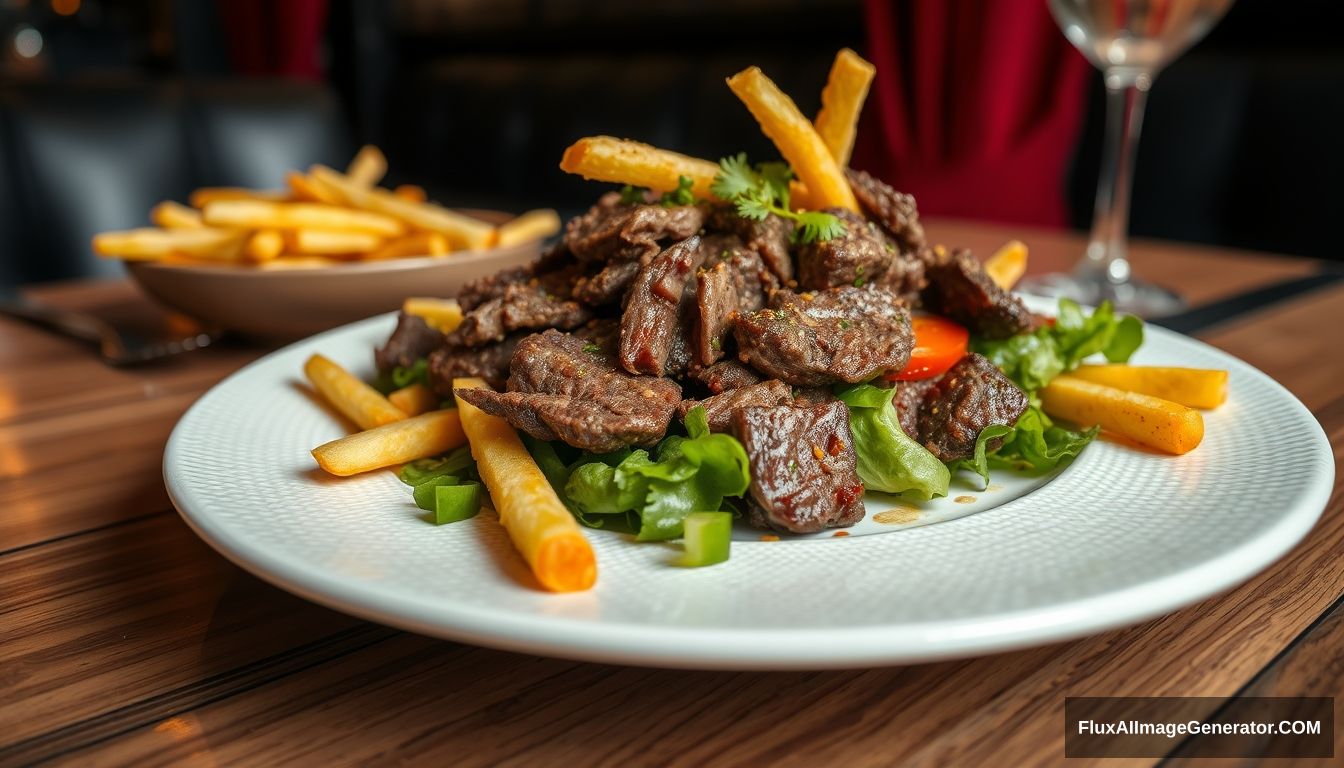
<point x="124" y="639"/>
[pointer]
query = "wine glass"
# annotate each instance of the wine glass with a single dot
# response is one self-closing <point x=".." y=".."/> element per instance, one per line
<point x="1130" y="41"/>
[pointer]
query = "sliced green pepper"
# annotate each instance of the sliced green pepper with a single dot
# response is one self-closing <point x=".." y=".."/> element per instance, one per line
<point x="456" y="502"/>
<point x="424" y="492"/>
<point x="708" y="536"/>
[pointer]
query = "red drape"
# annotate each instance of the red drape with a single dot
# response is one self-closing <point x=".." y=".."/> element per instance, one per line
<point x="274" y="39"/>
<point x="976" y="107"/>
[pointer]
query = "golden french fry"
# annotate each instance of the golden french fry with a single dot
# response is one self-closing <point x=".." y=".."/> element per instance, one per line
<point x="533" y="225"/>
<point x="413" y="193"/>
<point x="152" y="244"/>
<point x="1008" y="264"/>
<point x="462" y="231"/>
<point x="330" y="242"/>
<point x="170" y="215"/>
<point x="369" y="166"/>
<point x="304" y="190"/>
<point x="258" y="214"/>
<point x="795" y="138"/>
<point x="541" y="528"/>
<point x="418" y="244"/>
<point x="841" y="102"/>
<point x="417" y="437"/>
<point x="1147" y="420"/>
<point x="1193" y="387"/>
<point x="264" y="245"/>
<point x="358" y="401"/>
<point x="414" y="399"/>
<point x="622" y="161"/>
<point x="206" y="195"/>
<point x="442" y="314"/>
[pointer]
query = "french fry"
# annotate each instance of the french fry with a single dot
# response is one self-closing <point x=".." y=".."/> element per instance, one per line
<point x="412" y="193"/>
<point x="206" y="195"/>
<point x="841" y="102"/>
<point x="442" y="314"/>
<point x="418" y="244"/>
<point x="304" y="190"/>
<point x="533" y="225"/>
<point x="795" y="138"/>
<point x="264" y="245"/>
<point x="330" y="242"/>
<point x="417" y="437"/>
<point x="259" y="214"/>
<point x="1147" y="420"/>
<point x="414" y="399"/>
<point x="369" y="166"/>
<point x="153" y="244"/>
<point x="622" y="161"/>
<point x="356" y="400"/>
<point x="462" y="231"/>
<point x="170" y="215"/>
<point x="1193" y="387"/>
<point x="541" y="528"/>
<point x="1008" y="264"/>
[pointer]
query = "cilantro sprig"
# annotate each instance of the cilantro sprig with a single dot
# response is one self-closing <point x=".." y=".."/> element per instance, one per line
<point x="682" y="195"/>
<point x="760" y="191"/>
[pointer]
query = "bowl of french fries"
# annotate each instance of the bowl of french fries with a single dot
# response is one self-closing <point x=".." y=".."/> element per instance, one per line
<point x="330" y="248"/>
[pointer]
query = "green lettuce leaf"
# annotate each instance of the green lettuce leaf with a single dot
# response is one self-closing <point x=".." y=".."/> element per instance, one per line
<point x="1033" y="359"/>
<point x="888" y="460"/>
<point x="1037" y="444"/>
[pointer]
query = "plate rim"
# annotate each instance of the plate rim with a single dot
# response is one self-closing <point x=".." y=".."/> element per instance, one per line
<point x="745" y="648"/>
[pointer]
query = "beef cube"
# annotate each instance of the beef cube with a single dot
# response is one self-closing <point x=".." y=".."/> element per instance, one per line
<point x="412" y="340"/>
<point x="608" y="285"/>
<point x="476" y="292"/>
<point x="769" y="239"/>
<point x="651" y="319"/>
<point x="520" y="306"/>
<point x="960" y="288"/>
<point x="490" y="362"/>
<point x="803" y="476"/>
<point x="716" y="300"/>
<point x="614" y="231"/>
<point x="562" y="387"/>
<point x="895" y="211"/>
<point x="972" y="395"/>
<point x="908" y="401"/>
<point x="858" y="257"/>
<point x="837" y="335"/>
<point x="719" y="408"/>
<point x="725" y="375"/>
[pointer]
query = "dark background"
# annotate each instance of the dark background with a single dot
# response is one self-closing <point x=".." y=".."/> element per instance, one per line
<point x="108" y="107"/>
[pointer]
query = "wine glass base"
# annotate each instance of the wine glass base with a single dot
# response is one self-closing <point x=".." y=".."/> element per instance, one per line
<point x="1134" y="297"/>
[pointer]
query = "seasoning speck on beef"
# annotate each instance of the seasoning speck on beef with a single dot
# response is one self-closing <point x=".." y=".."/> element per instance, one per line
<point x="972" y="395"/>
<point x="895" y="211"/>
<point x="719" y="408"/>
<point x="650" y="320"/>
<point x="564" y="388"/>
<point x="858" y="257"/>
<point x="725" y="375"/>
<point x="412" y="340"/>
<point x="802" y="465"/>
<point x="490" y="362"/>
<point x="960" y="288"/>
<point x="520" y="306"/>
<point x="837" y="335"/>
<point x="769" y="238"/>
<point x="614" y="231"/>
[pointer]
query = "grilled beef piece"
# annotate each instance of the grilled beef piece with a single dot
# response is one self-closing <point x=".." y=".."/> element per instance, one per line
<point x="608" y="285"/>
<point x="752" y="279"/>
<point x="562" y="387"/>
<point x="490" y="362"/>
<point x="895" y="211"/>
<point x="716" y="300"/>
<point x="719" y="408"/>
<point x="613" y="231"/>
<point x="605" y="333"/>
<point x="909" y="399"/>
<point x="972" y="395"/>
<point x="840" y="334"/>
<point x="769" y="239"/>
<point x="802" y="460"/>
<point x="651" y="320"/>
<point x="858" y="257"/>
<point x="520" y="306"/>
<point x="725" y="375"/>
<point x="960" y="288"/>
<point x="476" y="292"/>
<point x="813" y="396"/>
<point x="412" y="340"/>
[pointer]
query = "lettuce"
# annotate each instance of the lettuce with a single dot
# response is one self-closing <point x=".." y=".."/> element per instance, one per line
<point x="687" y="474"/>
<point x="888" y="460"/>
<point x="1033" y="359"/>
<point x="1034" y="444"/>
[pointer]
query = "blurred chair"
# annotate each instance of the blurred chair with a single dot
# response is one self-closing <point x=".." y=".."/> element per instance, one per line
<point x="83" y="158"/>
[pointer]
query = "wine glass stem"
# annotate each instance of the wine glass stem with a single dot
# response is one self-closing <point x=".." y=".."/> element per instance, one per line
<point x="1107" y="253"/>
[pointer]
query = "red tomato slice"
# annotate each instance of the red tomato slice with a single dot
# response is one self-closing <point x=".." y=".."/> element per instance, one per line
<point x="939" y="344"/>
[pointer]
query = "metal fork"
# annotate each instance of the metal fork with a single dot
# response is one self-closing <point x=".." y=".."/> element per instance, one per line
<point x="118" y="345"/>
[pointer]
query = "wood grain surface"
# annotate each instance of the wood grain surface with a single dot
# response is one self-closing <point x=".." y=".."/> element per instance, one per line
<point x="125" y="640"/>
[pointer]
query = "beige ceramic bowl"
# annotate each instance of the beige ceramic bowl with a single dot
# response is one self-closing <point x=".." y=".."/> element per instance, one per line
<point x="290" y="303"/>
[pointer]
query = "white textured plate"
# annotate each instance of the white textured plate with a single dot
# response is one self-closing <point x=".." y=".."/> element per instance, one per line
<point x="1119" y="536"/>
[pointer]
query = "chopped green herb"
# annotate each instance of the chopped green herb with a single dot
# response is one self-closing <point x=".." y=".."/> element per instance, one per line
<point x="417" y="373"/>
<point x="844" y="324"/>
<point x="858" y="282"/>
<point x="682" y="195"/>
<point x="633" y="195"/>
<point x="453" y="503"/>
<point x="890" y="248"/>
<point x="708" y="538"/>
<point x="763" y="190"/>
<point x="793" y="466"/>
<point x="726" y="254"/>
<point x="591" y="348"/>
<point x="715" y="344"/>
